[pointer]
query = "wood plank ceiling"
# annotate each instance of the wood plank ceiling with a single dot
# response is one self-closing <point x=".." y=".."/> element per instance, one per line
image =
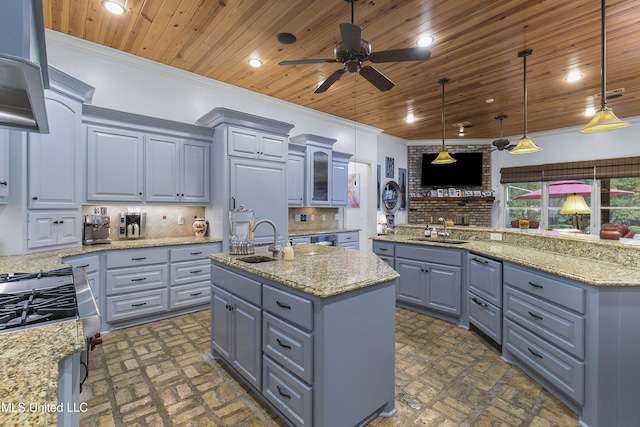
<point x="476" y="46"/>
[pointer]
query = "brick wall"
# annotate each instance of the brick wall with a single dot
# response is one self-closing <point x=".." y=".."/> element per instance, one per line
<point x="463" y="210"/>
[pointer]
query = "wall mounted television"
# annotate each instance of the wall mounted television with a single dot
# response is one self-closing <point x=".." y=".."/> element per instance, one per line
<point x="466" y="172"/>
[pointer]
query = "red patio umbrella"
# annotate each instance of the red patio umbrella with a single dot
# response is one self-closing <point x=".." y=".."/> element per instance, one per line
<point x="561" y="189"/>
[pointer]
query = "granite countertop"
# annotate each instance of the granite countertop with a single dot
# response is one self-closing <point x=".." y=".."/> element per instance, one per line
<point x="321" y="231"/>
<point x="585" y="270"/>
<point x="51" y="260"/>
<point x="29" y="374"/>
<point x="318" y="270"/>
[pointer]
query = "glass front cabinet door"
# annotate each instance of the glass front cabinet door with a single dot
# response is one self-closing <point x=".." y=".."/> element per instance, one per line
<point x="320" y="167"/>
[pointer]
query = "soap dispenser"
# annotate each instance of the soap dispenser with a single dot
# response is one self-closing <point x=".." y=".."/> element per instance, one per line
<point x="287" y="252"/>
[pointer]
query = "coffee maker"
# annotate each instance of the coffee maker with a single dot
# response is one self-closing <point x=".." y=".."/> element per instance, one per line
<point x="132" y="225"/>
<point x="96" y="229"/>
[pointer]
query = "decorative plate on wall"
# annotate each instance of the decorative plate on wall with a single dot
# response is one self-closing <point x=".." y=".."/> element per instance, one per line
<point x="389" y="167"/>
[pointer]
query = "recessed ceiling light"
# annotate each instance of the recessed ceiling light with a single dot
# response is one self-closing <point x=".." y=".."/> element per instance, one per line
<point x="117" y="7"/>
<point x="425" y="41"/>
<point x="573" y="76"/>
<point x="410" y="117"/>
<point x="489" y="100"/>
<point x="255" y="62"/>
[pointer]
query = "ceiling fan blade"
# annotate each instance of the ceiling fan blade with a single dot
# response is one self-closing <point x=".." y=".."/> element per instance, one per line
<point x="376" y="78"/>
<point x="306" y="61"/>
<point x="329" y="81"/>
<point x="397" y="55"/>
<point x="351" y="37"/>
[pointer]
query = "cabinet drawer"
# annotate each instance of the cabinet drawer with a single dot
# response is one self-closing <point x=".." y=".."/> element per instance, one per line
<point x="133" y="257"/>
<point x="238" y="285"/>
<point x="348" y="237"/>
<point x="189" y="295"/>
<point x="383" y="248"/>
<point x="562" y="371"/>
<point x="544" y="286"/>
<point x="89" y="263"/>
<point x="187" y="272"/>
<point x="485" y="278"/>
<point x="557" y="325"/>
<point x="289" y="346"/>
<point x="122" y="307"/>
<point x="485" y="316"/>
<point x="136" y="279"/>
<point x="192" y="253"/>
<point x="288" y="306"/>
<point x="435" y="255"/>
<point x="287" y="393"/>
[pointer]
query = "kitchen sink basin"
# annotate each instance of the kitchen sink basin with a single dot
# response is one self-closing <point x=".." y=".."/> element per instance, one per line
<point x="255" y="259"/>
<point x="448" y="241"/>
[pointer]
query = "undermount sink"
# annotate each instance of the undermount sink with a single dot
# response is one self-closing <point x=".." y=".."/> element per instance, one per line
<point x="254" y="259"/>
<point x="429" y="240"/>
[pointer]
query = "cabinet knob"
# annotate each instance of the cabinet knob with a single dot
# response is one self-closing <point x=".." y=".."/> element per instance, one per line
<point x="34" y="198"/>
<point x="55" y="222"/>
<point x="61" y="222"/>
<point x="3" y="183"/>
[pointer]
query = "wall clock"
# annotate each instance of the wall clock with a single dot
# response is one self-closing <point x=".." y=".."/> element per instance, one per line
<point x="389" y="167"/>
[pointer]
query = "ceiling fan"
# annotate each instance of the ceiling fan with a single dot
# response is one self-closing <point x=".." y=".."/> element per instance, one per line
<point x="352" y="51"/>
<point x="502" y="143"/>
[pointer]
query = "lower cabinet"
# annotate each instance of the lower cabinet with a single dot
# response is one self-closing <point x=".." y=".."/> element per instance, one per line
<point x="386" y="252"/>
<point x="349" y="240"/>
<point x="484" y="295"/>
<point x="430" y="278"/>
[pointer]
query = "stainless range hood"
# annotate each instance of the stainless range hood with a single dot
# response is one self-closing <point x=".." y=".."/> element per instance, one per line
<point x="23" y="66"/>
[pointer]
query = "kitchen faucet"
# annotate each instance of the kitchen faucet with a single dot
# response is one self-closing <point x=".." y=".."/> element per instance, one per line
<point x="275" y="248"/>
<point x="444" y="233"/>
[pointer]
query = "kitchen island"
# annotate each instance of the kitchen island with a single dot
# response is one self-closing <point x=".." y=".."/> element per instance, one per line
<point x="313" y="337"/>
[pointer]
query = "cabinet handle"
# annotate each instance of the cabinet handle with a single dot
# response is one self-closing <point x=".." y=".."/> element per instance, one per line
<point x="281" y="305"/>
<point x="233" y="200"/>
<point x="282" y="393"/>
<point x="383" y="249"/>
<point x="195" y="271"/>
<point x="34" y="198"/>
<point x="481" y="261"/>
<point x="141" y="279"/>
<point x="142" y="258"/>
<point x="139" y="304"/>
<point x="283" y="345"/>
<point x="424" y="270"/>
<point x="195" y="294"/>
<point x="481" y="304"/>
<point x="536" y="285"/>
<point x="229" y="307"/>
<point x="534" y="353"/>
<point x="55" y="222"/>
<point x="535" y="316"/>
<point x="83" y="266"/>
<point x="3" y="183"/>
<point x="195" y="253"/>
<point x="61" y="221"/>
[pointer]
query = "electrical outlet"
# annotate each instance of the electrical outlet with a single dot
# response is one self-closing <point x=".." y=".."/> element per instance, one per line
<point x="324" y="217"/>
<point x="496" y="236"/>
<point x="313" y="218"/>
<point x="180" y="220"/>
<point x="298" y="218"/>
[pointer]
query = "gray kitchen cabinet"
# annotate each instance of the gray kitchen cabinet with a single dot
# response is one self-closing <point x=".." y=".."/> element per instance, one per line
<point x="430" y="279"/>
<point x="91" y="265"/>
<point x="245" y="142"/>
<point x="386" y="252"/>
<point x="340" y="179"/>
<point x="295" y="175"/>
<point x="53" y="158"/>
<point x="53" y="229"/>
<point x="349" y="240"/>
<point x="249" y="155"/>
<point x="190" y="273"/>
<point x="4" y="165"/>
<point x="139" y="159"/>
<point x="484" y="295"/>
<point x="176" y="170"/>
<point x="114" y="164"/>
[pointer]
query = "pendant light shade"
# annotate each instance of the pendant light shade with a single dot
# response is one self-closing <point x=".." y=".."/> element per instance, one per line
<point x="444" y="158"/>
<point x="604" y="119"/>
<point x="525" y="145"/>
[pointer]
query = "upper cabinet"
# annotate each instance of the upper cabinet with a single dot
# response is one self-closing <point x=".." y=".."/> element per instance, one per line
<point x="325" y="175"/>
<point x="140" y="159"/>
<point x="257" y="145"/>
<point x="295" y="175"/>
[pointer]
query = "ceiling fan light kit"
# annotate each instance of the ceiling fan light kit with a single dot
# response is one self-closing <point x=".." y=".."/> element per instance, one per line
<point x="604" y="119"/>
<point x="502" y="143"/>
<point x="525" y="145"/>
<point x="444" y="158"/>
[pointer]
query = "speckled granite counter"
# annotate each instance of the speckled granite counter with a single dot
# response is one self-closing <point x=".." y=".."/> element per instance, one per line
<point x="318" y="270"/>
<point x="50" y="260"/>
<point x="29" y="373"/>
<point x="592" y="262"/>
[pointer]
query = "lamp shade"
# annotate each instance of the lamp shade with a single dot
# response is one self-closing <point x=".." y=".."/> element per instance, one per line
<point x="444" y="158"/>
<point x="525" y="146"/>
<point x="575" y="204"/>
<point x="604" y="119"/>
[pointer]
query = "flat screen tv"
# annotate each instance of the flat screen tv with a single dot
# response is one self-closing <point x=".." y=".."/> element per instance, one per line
<point x="465" y="172"/>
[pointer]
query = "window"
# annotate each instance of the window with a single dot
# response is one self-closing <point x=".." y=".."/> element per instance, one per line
<point x="620" y="202"/>
<point x="518" y="205"/>
<point x="557" y="199"/>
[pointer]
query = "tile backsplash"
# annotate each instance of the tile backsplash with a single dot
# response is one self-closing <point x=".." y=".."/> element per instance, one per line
<point x="323" y="219"/>
<point x="162" y="221"/>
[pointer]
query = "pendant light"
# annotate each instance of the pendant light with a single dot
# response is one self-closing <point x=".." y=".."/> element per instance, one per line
<point x="525" y="145"/>
<point x="444" y="158"/>
<point x="604" y="119"/>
